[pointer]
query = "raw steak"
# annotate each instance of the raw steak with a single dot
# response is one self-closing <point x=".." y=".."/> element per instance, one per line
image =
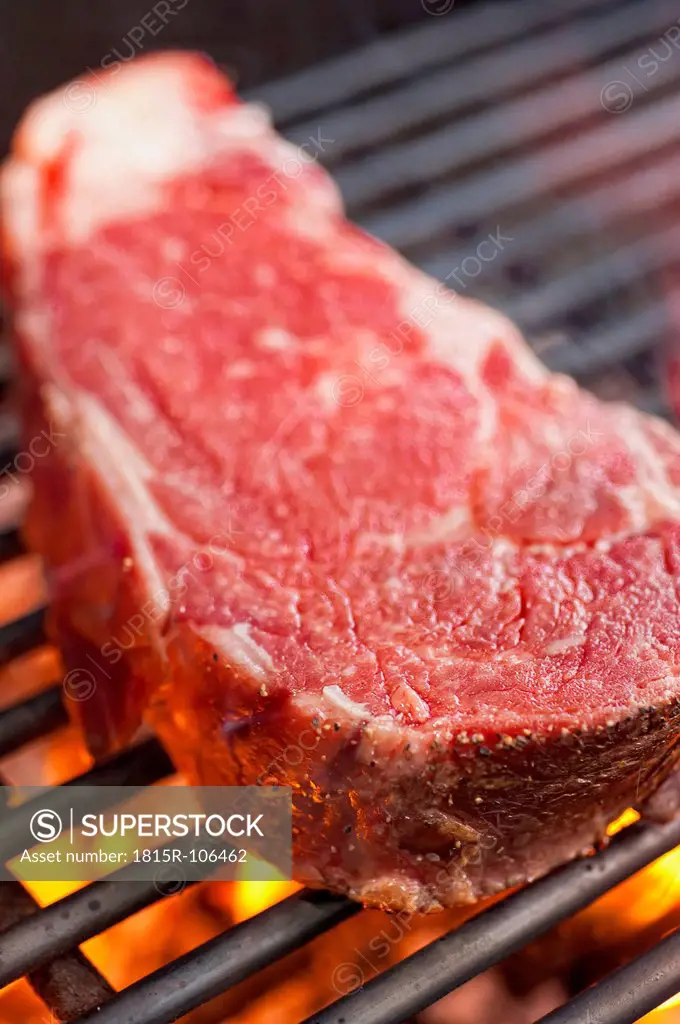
<point x="320" y="521"/>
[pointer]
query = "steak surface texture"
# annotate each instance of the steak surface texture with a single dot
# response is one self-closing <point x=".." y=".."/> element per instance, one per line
<point x="318" y="520"/>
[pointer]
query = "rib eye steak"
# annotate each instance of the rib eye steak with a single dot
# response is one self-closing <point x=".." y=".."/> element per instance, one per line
<point x="319" y="520"/>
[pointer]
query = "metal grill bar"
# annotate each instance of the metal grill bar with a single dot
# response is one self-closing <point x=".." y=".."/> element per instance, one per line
<point x="629" y="993"/>
<point x="60" y="927"/>
<point x="524" y="180"/>
<point x="43" y="942"/>
<point x="446" y="964"/>
<point x="590" y="281"/>
<point x="651" y="190"/>
<point x="638" y="334"/>
<point x="70" y="985"/>
<point x="141" y="766"/>
<point x="137" y="767"/>
<point x="21" y="635"/>
<point x="510" y="124"/>
<point x="31" y="719"/>
<point x="215" y="966"/>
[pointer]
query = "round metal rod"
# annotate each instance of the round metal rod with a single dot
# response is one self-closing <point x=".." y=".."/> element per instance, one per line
<point x="186" y="983"/>
<point x="69" y="985"/>
<point x="629" y="993"/>
<point x="507" y="184"/>
<point x="21" y="635"/>
<point x="31" y="719"/>
<point x="449" y="962"/>
<point x="37" y="940"/>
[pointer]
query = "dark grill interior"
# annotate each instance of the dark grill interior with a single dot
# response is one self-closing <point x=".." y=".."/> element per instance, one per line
<point x="539" y="121"/>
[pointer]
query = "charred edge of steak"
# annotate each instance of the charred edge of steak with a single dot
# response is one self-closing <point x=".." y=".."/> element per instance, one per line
<point x="405" y="819"/>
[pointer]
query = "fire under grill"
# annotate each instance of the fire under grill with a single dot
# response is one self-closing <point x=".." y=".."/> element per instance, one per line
<point x="530" y="155"/>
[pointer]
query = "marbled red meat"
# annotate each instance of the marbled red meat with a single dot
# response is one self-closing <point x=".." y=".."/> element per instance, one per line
<point x="320" y="521"/>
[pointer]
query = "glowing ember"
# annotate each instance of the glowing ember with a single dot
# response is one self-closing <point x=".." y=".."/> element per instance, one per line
<point x="249" y="898"/>
<point x="628" y="817"/>
<point x="669" y="1013"/>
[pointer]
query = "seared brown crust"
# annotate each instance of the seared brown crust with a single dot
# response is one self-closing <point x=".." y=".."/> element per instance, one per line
<point x="431" y="821"/>
<point x="424" y="819"/>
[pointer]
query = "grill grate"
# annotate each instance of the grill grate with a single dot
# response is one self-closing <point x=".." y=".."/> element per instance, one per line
<point x="487" y="118"/>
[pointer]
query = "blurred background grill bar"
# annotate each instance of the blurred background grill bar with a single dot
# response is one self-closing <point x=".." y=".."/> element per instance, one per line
<point x="491" y="76"/>
<point x="591" y="281"/>
<point x="33" y="718"/>
<point x="490" y="193"/>
<point x="485" y="136"/>
<point x="647" y="191"/>
<point x="21" y="635"/>
<point x="637" y="334"/>
<point x="524" y="135"/>
<point x="414" y="50"/>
